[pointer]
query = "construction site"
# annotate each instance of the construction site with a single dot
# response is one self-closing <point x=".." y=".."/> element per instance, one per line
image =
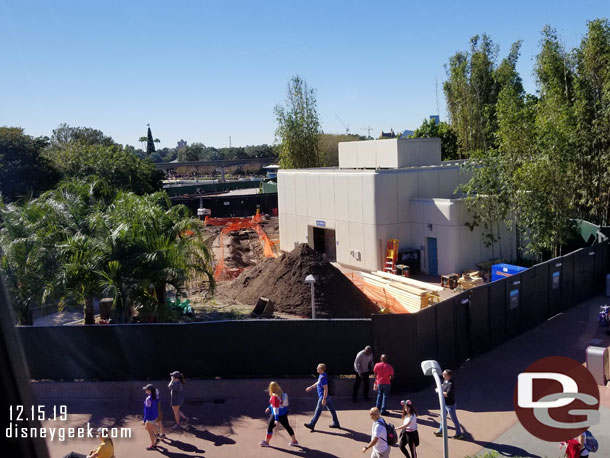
<point x="385" y="232"/>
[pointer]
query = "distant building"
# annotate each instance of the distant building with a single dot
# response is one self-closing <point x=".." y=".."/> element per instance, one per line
<point x="436" y="118"/>
<point x="406" y="134"/>
<point x="181" y="144"/>
<point x="389" y="134"/>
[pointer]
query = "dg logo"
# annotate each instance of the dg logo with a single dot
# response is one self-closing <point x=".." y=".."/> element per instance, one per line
<point x="556" y="399"/>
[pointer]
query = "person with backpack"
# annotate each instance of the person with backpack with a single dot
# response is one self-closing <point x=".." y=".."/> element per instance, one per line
<point x="325" y="393"/>
<point x="278" y="407"/>
<point x="581" y="446"/>
<point x="381" y="436"/>
<point x="409" y="435"/>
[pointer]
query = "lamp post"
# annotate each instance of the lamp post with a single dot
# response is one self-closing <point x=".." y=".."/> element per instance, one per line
<point x="311" y="280"/>
<point x="433" y="368"/>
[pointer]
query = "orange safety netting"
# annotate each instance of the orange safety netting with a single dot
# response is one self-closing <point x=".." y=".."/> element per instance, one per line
<point x="221" y="272"/>
<point x="377" y="294"/>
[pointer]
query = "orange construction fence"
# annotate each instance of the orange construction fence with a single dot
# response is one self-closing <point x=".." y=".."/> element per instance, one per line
<point x="234" y="224"/>
<point x="378" y="295"/>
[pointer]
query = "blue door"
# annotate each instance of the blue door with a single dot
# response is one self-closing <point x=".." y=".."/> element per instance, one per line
<point x="432" y="260"/>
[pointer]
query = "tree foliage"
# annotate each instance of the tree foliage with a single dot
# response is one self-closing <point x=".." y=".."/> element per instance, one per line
<point x="86" y="239"/>
<point x="298" y="128"/>
<point x="431" y="129"/>
<point x="549" y="154"/>
<point x="117" y="165"/>
<point x="23" y="169"/>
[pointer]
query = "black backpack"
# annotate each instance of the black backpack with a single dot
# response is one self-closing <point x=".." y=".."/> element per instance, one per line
<point x="390" y="431"/>
<point x="331" y="385"/>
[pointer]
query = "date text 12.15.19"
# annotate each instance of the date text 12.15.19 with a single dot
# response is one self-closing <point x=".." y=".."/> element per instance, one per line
<point x="21" y="413"/>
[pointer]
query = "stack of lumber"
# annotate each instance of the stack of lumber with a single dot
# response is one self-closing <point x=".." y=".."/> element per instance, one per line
<point x="412" y="298"/>
<point x="409" y="281"/>
<point x="470" y="280"/>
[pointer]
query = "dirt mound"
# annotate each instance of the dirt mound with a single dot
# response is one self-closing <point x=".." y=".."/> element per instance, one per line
<point x="282" y="281"/>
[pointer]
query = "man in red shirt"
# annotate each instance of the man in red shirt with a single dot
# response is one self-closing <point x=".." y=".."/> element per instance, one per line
<point x="384" y="373"/>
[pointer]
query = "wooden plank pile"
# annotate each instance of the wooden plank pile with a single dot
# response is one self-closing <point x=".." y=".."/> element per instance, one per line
<point x="413" y="298"/>
<point x="470" y="279"/>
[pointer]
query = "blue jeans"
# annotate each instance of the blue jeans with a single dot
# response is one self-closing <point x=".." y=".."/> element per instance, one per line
<point x="454" y="419"/>
<point x="383" y="393"/>
<point x="320" y="407"/>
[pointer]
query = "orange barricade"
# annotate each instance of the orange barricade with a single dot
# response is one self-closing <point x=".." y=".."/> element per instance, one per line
<point x="221" y="272"/>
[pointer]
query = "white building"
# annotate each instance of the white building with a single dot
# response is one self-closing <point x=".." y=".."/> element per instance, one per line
<point x="384" y="189"/>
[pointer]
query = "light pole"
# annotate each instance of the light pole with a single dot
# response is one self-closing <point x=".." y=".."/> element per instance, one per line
<point x="433" y="368"/>
<point x="311" y="280"/>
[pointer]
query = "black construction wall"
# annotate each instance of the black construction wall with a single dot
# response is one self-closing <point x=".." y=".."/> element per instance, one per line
<point x="450" y="332"/>
<point x="228" y="206"/>
<point x="246" y="348"/>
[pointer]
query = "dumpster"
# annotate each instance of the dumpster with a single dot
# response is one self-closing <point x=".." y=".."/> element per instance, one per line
<point x="499" y="271"/>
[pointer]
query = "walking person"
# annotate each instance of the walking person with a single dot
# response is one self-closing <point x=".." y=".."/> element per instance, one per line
<point x="448" y="387"/>
<point x="278" y="407"/>
<point x="363" y="366"/>
<point x="176" y="386"/>
<point x="384" y="373"/>
<point x="324" y="399"/>
<point x="408" y="431"/>
<point x="379" y="436"/>
<point x="161" y="434"/>
<point x="150" y="415"/>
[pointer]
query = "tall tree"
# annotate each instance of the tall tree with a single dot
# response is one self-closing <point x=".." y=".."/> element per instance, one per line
<point x="299" y="127"/>
<point x="150" y="142"/>
<point x="592" y="121"/>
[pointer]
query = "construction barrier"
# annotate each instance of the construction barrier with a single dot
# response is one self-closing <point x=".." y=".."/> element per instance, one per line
<point x="241" y="348"/>
<point x="479" y="319"/>
<point x="451" y="331"/>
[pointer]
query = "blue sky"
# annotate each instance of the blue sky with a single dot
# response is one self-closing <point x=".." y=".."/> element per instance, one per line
<point x="206" y="70"/>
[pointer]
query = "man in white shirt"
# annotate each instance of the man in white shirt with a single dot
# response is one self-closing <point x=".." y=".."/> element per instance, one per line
<point x="363" y="366"/>
<point x="379" y="436"/>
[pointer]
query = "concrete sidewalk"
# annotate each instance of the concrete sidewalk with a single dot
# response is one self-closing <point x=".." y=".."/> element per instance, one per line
<point x="234" y="424"/>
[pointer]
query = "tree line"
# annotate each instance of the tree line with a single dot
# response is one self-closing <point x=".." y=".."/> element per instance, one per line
<point x="538" y="161"/>
<point x="82" y="217"/>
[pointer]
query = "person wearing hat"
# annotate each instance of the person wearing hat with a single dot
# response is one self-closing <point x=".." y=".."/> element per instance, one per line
<point x="151" y="412"/>
<point x="408" y="430"/>
<point x="104" y="450"/>
<point x="363" y="366"/>
<point x="176" y="386"/>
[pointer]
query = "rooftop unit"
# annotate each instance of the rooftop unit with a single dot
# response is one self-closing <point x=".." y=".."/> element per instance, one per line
<point x="390" y="153"/>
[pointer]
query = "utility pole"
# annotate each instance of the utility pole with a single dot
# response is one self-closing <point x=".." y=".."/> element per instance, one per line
<point x="229" y="141"/>
<point x="368" y="130"/>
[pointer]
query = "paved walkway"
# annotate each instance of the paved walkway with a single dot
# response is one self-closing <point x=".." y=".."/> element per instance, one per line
<point x="484" y="388"/>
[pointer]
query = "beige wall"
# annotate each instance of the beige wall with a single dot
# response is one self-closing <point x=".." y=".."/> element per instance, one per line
<point x="368" y="207"/>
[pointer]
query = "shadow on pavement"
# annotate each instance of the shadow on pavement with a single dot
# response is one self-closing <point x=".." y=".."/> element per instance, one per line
<point x="180" y="445"/>
<point x="503" y="449"/>
<point x="206" y="435"/>
<point x="164" y="451"/>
